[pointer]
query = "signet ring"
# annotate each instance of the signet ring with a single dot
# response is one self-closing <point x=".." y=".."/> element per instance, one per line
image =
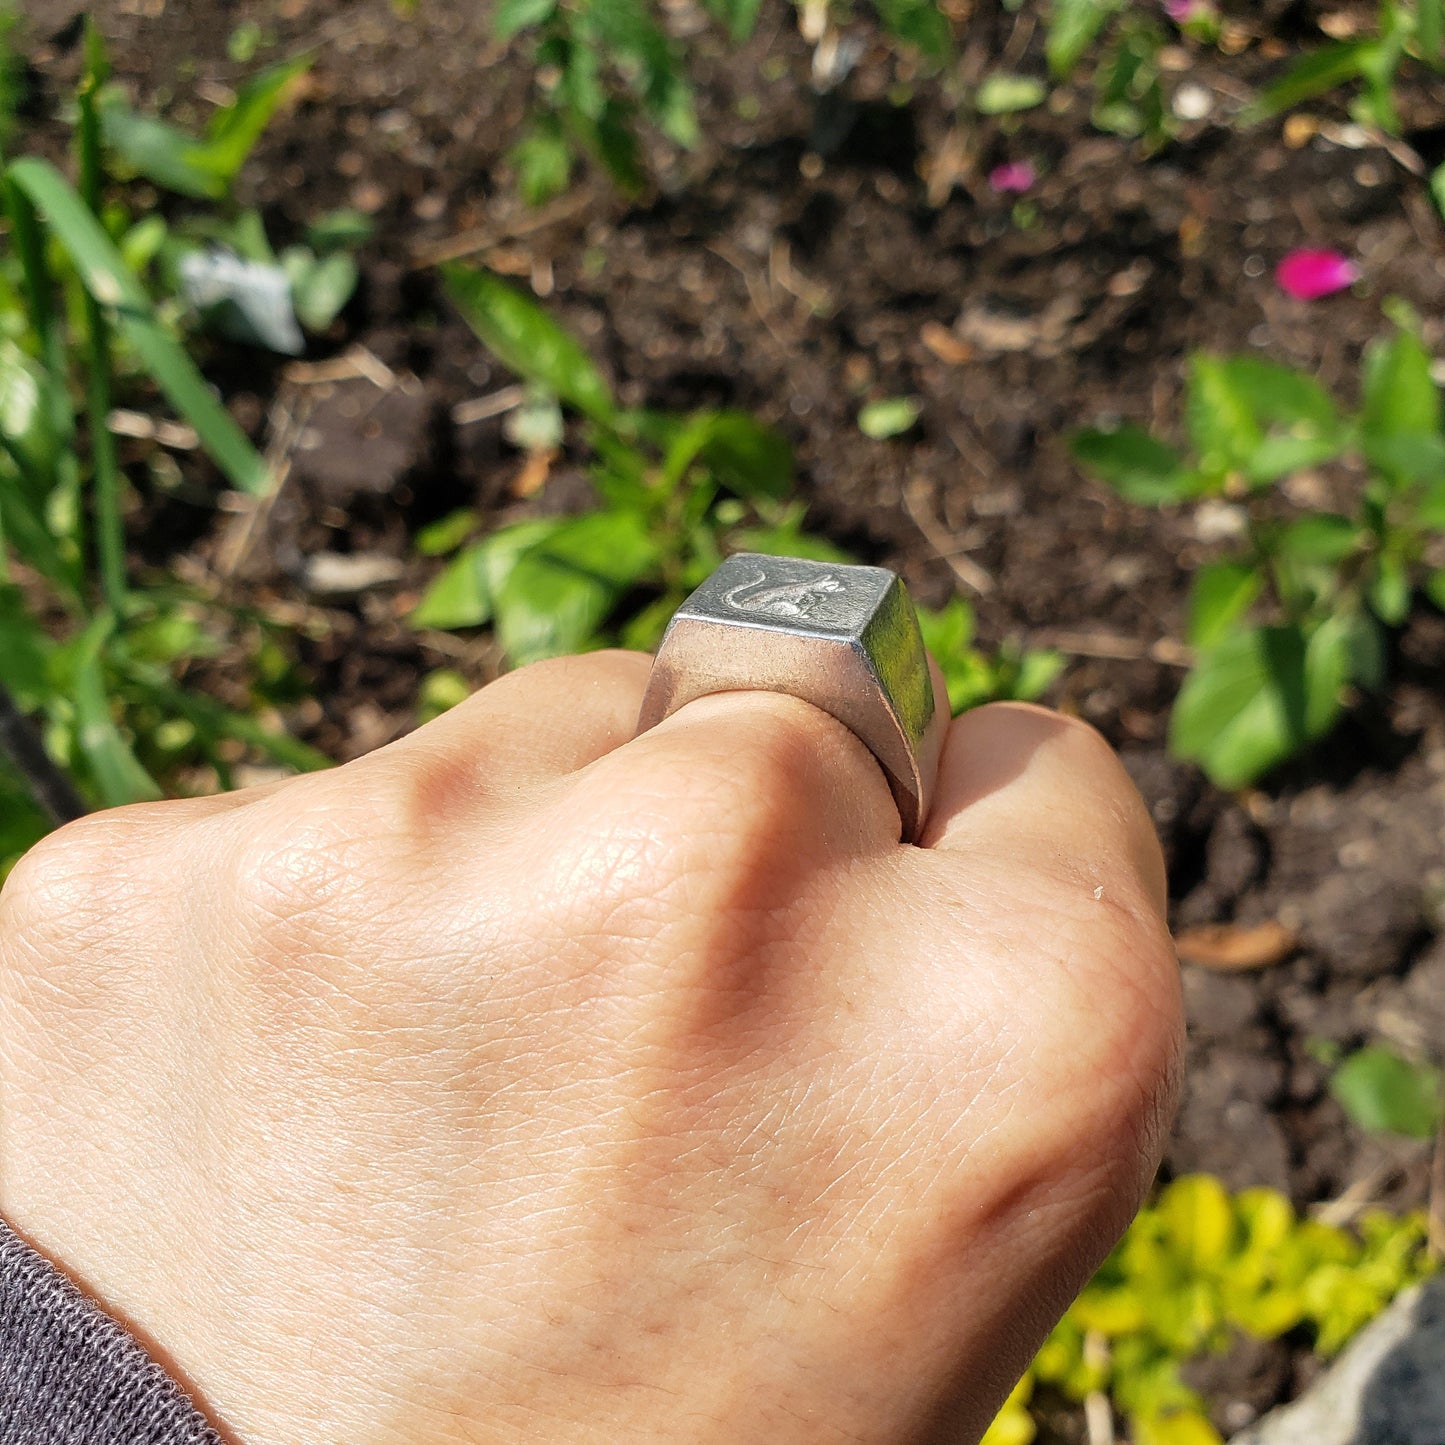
<point x="843" y="638"/>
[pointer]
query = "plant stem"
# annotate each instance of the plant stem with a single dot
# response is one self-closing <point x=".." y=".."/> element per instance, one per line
<point x="109" y="527"/>
<point x="51" y="788"/>
<point x="29" y="243"/>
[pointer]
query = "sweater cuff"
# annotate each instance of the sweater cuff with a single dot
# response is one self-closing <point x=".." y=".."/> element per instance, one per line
<point x="71" y="1375"/>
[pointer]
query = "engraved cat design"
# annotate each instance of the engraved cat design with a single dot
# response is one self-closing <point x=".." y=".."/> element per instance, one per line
<point x="790" y="599"/>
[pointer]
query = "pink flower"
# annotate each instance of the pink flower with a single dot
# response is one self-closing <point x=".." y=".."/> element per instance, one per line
<point x="1013" y="176"/>
<point x="1307" y="274"/>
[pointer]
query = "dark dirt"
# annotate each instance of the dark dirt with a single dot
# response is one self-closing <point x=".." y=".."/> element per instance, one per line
<point x="796" y="265"/>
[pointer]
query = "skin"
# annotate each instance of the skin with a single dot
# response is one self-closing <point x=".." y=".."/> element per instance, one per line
<point x="525" y="1080"/>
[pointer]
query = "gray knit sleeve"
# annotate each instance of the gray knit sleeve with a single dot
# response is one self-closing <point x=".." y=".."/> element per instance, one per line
<point x="70" y="1375"/>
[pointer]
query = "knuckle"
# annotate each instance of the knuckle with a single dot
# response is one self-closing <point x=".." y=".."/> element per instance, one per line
<point x="710" y="825"/>
<point x="313" y="873"/>
<point x="66" y="876"/>
<point x="287" y="868"/>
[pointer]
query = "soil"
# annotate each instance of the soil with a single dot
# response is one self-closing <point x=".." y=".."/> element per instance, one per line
<point x="797" y="265"/>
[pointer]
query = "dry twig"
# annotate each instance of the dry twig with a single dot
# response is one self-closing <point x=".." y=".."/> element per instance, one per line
<point x="974" y="577"/>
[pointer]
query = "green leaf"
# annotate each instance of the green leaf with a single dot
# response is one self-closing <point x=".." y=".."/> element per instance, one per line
<point x="462" y="594"/>
<point x="1073" y="25"/>
<point x="320" y="286"/>
<point x="1376" y="105"/>
<point x="1004" y="94"/>
<point x="1390" y="590"/>
<point x="739" y="16"/>
<point x="1128" y="98"/>
<point x="612" y="138"/>
<point x="1364" y="640"/>
<point x="1311" y="75"/>
<point x="542" y="160"/>
<point x="628" y="30"/>
<point x="1435" y="587"/>
<point x="1175" y="1427"/>
<point x="514" y="15"/>
<point x="440" y="691"/>
<point x="1303" y="425"/>
<point x="1257" y="697"/>
<point x="787" y="541"/>
<point x="1430" y="30"/>
<point x="340" y="230"/>
<point x="1381" y="1092"/>
<point x="1409" y="457"/>
<point x="917" y="22"/>
<point x="1136" y="465"/>
<point x="1401" y="402"/>
<point x="202" y="169"/>
<point x="446" y="534"/>
<point x="1197" y="1219"/>
<point x="746" y="457"/>
<point x="235" y="128"/>
<point x="527" y="341"/>
<point x="560" y="592"/>
<point x="1430" y="506"/>
<point x="1036" y="673"/>
<point x="26" y="414"/>
<point x="458" y="596"/>
<point x="1221" y="418"/>
<point x="119" y="778"/>
<point x="1437" y="188"/>
<point x="1323" y="538"/>
<point x="156" y="150"/>
<point x="107" y="279"/>
<point x="1222" y="593"/>
<point x="890" y="417"/>
<point x="143" y="241"/>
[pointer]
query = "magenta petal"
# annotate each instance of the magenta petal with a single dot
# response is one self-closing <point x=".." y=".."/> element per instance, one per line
<point x="1307" y="274"/>
<point x="1012" y="176"/>
<point x="1179" y="11"/>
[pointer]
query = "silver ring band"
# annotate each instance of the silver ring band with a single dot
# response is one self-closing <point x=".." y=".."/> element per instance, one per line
<point x="845" y="639"/>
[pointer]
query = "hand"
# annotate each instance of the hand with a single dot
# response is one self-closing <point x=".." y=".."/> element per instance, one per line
<point x="525" y="1081"/>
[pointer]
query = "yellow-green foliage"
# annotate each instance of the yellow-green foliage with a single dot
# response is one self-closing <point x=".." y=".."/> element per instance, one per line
<point x="1196" y="1266"/>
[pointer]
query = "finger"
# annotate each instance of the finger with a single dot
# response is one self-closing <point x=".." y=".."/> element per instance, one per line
<point x="761" y="759"/>
<point x="543" y="720"/>
<point x="1021" y="782"/>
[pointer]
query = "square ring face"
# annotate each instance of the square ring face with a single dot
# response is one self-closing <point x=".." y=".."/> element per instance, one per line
<point x="751" y="589"/>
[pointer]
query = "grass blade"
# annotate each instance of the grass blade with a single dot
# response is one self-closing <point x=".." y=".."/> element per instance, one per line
<point x="109" y="528"/>
<point x="1430" y="23"/>
<point x="1311" y="75"/>
<point x="111" y="282"/>
<point x="119" y="777"/>
<point x="39" y="294"/>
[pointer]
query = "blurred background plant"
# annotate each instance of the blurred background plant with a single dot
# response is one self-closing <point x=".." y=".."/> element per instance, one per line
<point x="678" y="494"/>
<point x="1320" y="587"/>
<point x="1196" y="1267"/>
<point x="90" y="657"/>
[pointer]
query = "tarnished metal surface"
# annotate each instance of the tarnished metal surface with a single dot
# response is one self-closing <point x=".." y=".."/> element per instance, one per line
<point x="845" y="639"/>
